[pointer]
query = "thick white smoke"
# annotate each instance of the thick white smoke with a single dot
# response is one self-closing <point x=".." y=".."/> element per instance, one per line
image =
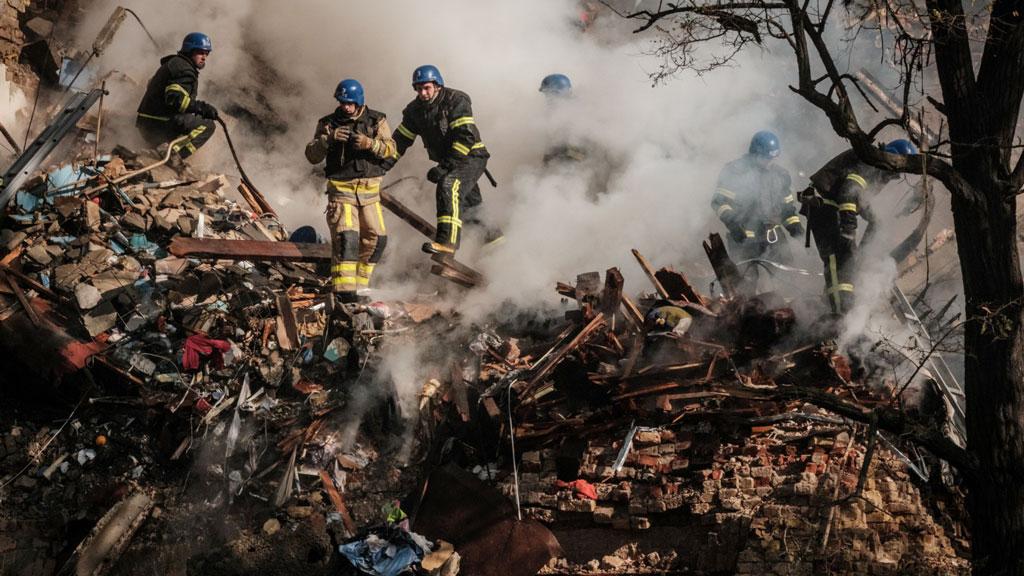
<point x="668" y="142"/>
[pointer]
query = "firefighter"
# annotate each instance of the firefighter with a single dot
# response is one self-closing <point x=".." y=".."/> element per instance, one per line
<point x="355" y="140"/>
<point x="557" y="89"/>
<point x="170" y="109"/>
<point x="443" y="117"/>
<point x="832" y="203"/>
<point x="754" y="200"/>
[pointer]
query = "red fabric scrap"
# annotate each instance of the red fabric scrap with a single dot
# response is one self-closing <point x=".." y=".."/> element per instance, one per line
<point x="200" y="345"/>
<point x="585" y="490"/>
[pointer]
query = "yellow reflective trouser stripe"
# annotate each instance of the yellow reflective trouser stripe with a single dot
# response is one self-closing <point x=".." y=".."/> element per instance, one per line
<point x="406" y="132"/>
<point x="858" y="179"/>
<point x="792" y="220"/>
<point x="727" y="193"/>
<point x="187" y="144"/>
<point x="461" y="121"/>
<point x="831" y="203"/>
<point x="348" y="215"/>
<point x="723" y="209"/>
<point x="151" y="117"/>
<point x="749" y="233"/>
<point x="343" y="274"/>
<point x="380" y="219"/>
<point x="789" y="199"/>
<point x="848" y="207"/>
<point x="836" y="287"/>
<point x="455" y="210"/>
<point x="478" y="146"/>
<point x="185" y="98"/>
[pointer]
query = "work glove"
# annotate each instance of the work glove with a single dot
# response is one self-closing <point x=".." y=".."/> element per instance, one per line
<point x="206" y="110"/>
<point x="738" y="234"/>
<point x="342" y="134"/>
<point x="809" y="197"/>
<point x="435" y="174"/>
<point x="361" y="141"/>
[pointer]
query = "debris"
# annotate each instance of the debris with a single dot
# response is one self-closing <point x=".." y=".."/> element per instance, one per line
<point x="112" y="534"/>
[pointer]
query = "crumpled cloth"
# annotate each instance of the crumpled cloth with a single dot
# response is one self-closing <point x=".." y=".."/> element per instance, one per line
<point x="200" y="346"/>
<point x="380" y="557"/>
<point x="585" y="490"/>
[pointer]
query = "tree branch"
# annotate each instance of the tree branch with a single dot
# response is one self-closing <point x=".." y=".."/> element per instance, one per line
<point x="651" y="18"/>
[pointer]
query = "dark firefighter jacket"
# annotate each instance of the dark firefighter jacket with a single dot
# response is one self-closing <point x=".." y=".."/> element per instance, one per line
<point x="844" y="184"/>
<point x="344" y="161"/>
<point x="752" y="199"/>
<point x="446" y="125"/>
<point x="172" y="90"/>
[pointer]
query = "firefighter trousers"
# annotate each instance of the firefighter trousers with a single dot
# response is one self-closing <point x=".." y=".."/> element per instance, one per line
<point x="358" y="238"/>
<point x="457" y="191"/>
<point x="839" y="288"/>
<point x="157" y="131"/>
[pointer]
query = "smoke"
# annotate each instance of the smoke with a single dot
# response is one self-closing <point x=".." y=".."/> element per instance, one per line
<point x="664" y="144"/>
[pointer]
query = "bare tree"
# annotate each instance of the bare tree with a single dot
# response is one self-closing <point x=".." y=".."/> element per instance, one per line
<point x="976" y="52"/>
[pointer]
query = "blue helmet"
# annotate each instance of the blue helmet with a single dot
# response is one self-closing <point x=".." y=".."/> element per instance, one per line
<point x="556" y="85"/>
<point x="196" y="41"/>
<point x="349" y="90"/>
<point x="427" y="73"/>
<point x="901" y="146"/>
<point x="766" y="144"/>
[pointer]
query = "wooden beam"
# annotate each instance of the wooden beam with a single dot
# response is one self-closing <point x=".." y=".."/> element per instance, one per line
<point x="22" y="298"/>
<point x="407" y="215"/>
<point x="553" y="358"/>
<point x="261" y="250"/>
<point x="338" y="502"/>
<point x="650" y="274"/>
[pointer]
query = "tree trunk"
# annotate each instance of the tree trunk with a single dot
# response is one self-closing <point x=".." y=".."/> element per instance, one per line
<point x="994" y="383"/>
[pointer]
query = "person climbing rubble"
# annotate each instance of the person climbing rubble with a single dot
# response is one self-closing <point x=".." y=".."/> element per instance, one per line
<point x="754" y="201"/>
<point x="837" y="195"/>
<point x="443" y="117"/>
<point x="170" y="109"/>
<point x="355" y="141"/>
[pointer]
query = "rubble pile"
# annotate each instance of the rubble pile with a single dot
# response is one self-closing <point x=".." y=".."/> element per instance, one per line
<point x="211" y="391"/>
<point x="735" y="468"/>
<point x="192" y="401"/>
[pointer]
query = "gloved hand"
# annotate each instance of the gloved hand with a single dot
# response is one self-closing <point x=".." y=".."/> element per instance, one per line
<point x="342" y="134"/>
<point x="436" y="173"/>
<point x="809" y="197"/>
<point x="738" y="234"/>
<point x="361" y="141"/>
<point x="206" y="110"/>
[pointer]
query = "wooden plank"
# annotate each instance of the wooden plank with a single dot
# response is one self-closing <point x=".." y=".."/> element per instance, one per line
<point x="260" y="250"/>
<point x="650" y="274"/>
<point x="287" y="319"/>
<point x="338" y="502"/>
<point x="678" y="287"/>
<point x="611" y="297"/>
<point x="256" y="200"/>
<point x="450" y="261"/>
<point x="451" y="274"/>
<point x="728" y="274"/>
<point x="22" y="298"/>
<point x="553" y="359"/>
<point x="632" y="312"/>
<point x="407" y="215"/>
